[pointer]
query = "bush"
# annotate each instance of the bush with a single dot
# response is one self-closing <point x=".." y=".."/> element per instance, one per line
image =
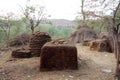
<point x="21" y="39"/>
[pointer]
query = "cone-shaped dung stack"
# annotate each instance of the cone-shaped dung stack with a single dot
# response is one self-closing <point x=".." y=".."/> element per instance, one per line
<point x="37" y="40"/>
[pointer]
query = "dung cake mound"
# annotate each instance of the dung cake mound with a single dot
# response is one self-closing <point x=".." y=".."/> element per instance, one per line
<point x="100" y="45"/>
<point x="83" y="33"/>
<point x="58" y="55"/>
<point x="37" y="40"/>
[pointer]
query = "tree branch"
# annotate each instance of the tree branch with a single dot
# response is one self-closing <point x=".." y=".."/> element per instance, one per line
<point x="115" y="12"/>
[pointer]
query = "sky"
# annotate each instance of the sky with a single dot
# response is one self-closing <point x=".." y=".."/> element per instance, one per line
<point x="58" y="9"/>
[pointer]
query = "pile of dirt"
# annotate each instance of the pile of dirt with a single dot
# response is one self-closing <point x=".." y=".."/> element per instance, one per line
<point x="37" y="40"/>
<point x="21" y="39"/>
<point x="21" y="53"/>
<point x="83" y="33"/>
<point x="100" y="45"/>
<point x="58" y="55"/>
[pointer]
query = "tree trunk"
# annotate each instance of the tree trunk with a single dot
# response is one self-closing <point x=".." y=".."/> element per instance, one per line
<point x="115" y="40"/>
<point x="32" y="29"/>
<point x="83" y="13"/>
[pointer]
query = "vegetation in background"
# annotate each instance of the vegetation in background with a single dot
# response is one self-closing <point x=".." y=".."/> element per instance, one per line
<point x="19" y="28"/>
<point x="95" y="15"/>
<point x="6" y="23"/>
<point x="56" y="32"/>
<point x="32" y="16"/>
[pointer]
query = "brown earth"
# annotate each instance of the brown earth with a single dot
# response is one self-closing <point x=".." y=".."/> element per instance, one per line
<point x="89" y="67"/>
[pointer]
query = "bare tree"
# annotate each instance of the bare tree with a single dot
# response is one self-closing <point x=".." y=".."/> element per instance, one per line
<point x="89" y="10"/>
<point x="33" y="15"/>
<point x="115" y="31"/>
<point x="82" y="11"/>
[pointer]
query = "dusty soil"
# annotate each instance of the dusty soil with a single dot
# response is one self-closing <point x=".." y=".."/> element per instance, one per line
<point x="91" y="64"/>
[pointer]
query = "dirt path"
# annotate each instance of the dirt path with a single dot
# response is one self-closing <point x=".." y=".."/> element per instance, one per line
<point x="89" y="67"/>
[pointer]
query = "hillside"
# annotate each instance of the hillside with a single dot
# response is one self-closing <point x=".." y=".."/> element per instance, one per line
<point x="61" y="23"/>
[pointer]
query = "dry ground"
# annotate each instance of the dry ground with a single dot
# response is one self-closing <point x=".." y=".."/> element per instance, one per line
<point x="89" y="67"/>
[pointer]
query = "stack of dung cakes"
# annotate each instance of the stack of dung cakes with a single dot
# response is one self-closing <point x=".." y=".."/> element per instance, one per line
<point x="58" y="55"/>
<point x="37" y="40"/>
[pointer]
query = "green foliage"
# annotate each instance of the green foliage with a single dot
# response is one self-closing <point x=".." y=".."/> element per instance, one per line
<point x="19" y="27"/>
<point x="2" y="36"/>
<point x="56" y="32"/>
<point x="52" y="31"/>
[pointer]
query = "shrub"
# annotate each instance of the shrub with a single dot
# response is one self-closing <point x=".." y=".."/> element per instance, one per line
<point x="21" y="39"/>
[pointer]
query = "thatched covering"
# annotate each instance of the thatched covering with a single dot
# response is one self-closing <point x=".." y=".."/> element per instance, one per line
<point x="37" y="40"/>
<point x="104" y="35"/>
<point x="82" y="34"/>
<point x="100" y="45"/>
<point x="21" y="53"/>
<point x="58" y="55"/>
<point x="19" y="40"/>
